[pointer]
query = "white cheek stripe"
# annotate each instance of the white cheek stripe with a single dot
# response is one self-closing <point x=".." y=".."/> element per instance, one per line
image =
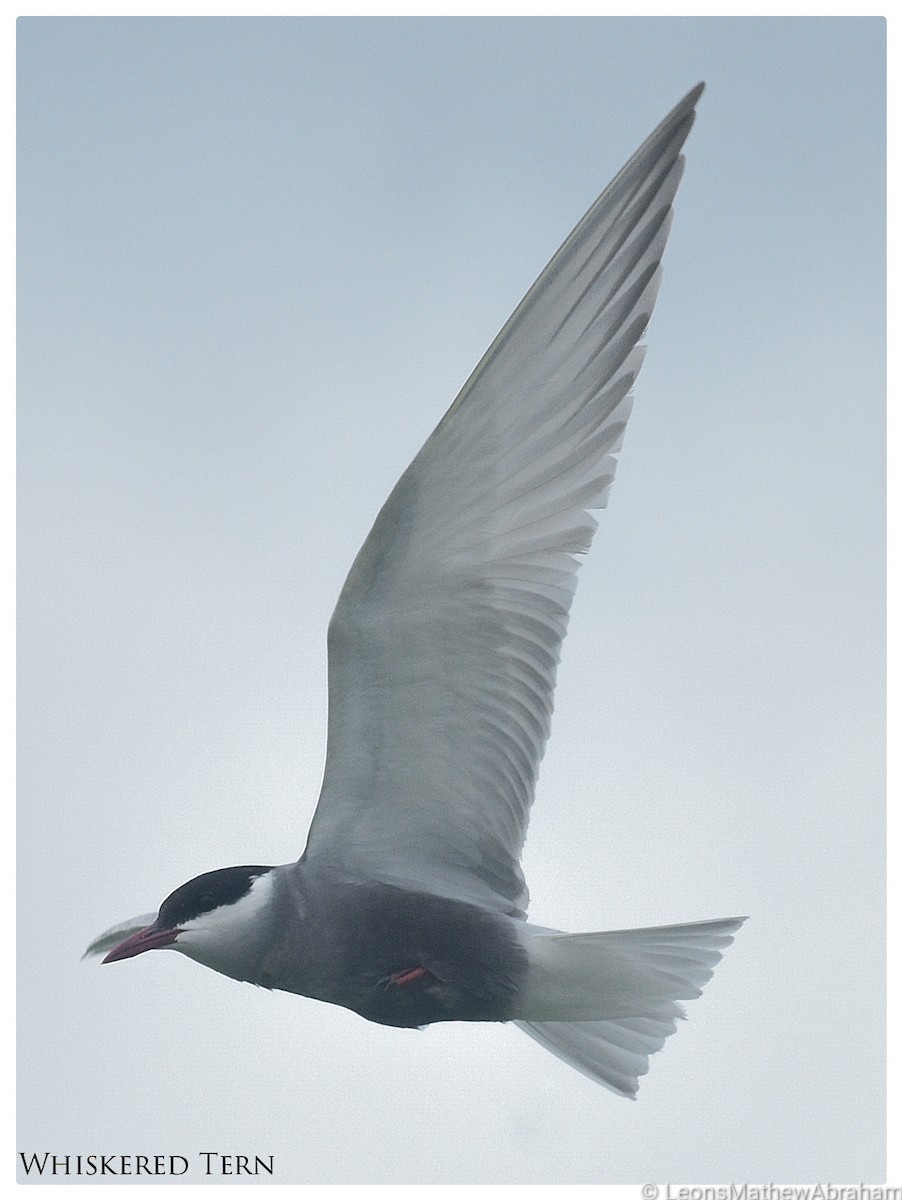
<point x="231" y="917"/>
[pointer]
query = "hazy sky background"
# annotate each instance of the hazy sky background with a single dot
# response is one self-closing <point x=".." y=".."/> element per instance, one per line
<point x="258" y="258"/>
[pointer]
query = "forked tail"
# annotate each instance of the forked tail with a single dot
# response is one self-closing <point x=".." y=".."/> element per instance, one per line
<point x="604" y="1002"/>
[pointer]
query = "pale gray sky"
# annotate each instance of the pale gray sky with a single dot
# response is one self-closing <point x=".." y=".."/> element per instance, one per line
<point x="258" y="258"/>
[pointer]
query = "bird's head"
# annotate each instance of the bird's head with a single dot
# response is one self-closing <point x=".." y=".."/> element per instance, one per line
<point x="209" y="919"/>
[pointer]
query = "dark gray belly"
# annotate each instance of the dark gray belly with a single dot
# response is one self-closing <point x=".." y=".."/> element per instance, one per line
<point x="408" y="959"/>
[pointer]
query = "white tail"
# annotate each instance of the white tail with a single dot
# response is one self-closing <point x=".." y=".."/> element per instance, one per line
<point x="604" y="1002"/>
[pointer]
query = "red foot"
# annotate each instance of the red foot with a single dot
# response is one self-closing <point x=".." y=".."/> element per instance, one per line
<point x="402" y="977"/>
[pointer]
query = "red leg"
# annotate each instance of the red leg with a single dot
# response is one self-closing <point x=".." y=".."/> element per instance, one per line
<point x="408" y="976"/>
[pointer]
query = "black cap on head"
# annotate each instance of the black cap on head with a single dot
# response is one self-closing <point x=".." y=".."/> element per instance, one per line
<point x="206" y="892"/>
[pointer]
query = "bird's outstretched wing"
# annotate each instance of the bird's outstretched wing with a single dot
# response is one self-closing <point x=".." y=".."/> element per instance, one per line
<point x="445" y="641"/>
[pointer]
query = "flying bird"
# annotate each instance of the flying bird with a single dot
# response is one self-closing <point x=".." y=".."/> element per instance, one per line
<point x="408" y="905"/>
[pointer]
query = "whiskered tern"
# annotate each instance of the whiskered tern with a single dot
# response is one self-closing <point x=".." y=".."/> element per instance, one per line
<point x="408" y="905"/>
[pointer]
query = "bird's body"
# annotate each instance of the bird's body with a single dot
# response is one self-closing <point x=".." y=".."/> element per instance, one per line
<point x="310" y="932"/>
<point x="408" y="905"/>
